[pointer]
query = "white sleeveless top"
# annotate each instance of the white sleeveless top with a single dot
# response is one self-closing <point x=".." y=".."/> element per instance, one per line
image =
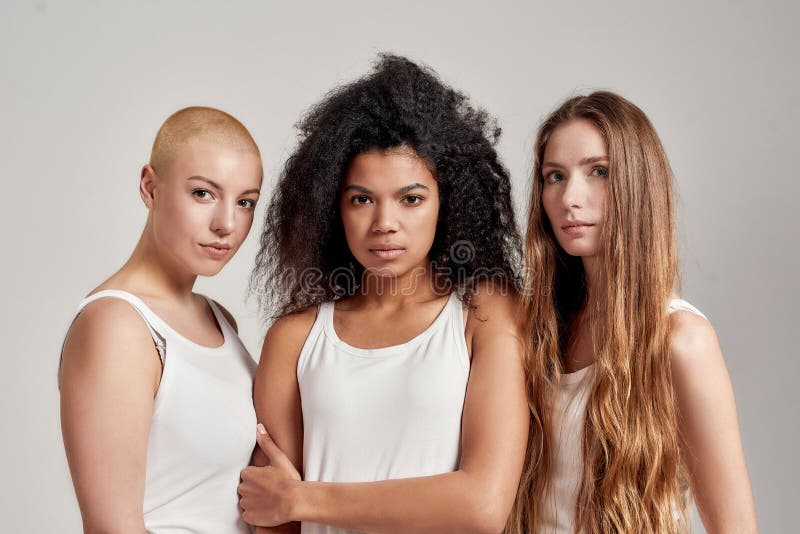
<point x="203" y="428"/>
<point x="569" y="410"/>
<point x="387" y="413"/>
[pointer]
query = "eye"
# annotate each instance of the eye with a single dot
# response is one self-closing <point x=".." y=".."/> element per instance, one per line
<point x="553" y="177"/>
<point x="202" y="194"/>
<point x="360" y="200"/>
<point x="600" y="171"/>
<point x="412" y="199"/>
<point x="247" y="203"/>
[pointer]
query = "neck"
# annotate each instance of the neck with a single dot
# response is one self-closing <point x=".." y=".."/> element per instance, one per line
<point x="152" y="271"/>
<point x="417" y="285"/>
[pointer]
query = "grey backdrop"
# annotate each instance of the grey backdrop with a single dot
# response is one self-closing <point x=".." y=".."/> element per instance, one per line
<point x="86" y="84"/>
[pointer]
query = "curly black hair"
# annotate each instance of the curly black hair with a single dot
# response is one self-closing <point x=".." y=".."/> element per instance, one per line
<point x="304" y="258"/>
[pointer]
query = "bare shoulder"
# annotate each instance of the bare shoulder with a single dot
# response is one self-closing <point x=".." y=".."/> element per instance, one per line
<point x="495" y="305"/>
<point x="228" y="316"/>
<point x="286" y="336"/>
<point x="695" y="353"/>
<point x="109" y="333"/>
<point x="692" y="337"/>
<point x="493" y="325"/>
<point x="108" y="321"/>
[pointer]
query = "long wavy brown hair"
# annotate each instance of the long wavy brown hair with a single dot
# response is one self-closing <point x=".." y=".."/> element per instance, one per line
<point x="634" y="479"/>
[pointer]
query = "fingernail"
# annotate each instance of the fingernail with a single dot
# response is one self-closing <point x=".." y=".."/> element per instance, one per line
<point x="261" y="429"/>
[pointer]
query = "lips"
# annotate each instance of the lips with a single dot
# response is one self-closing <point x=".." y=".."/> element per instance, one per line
<point x="217" y="250"/>
<point x="387" y="252"/>
<point x="575" y="227"/>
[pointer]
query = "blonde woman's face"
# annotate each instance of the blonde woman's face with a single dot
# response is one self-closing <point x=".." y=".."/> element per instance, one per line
<point x="202" y="205"/>
<point x="575" y="189"/>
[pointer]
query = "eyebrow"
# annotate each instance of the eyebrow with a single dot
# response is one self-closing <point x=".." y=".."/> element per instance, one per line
<point x="584" y="161"/>
<point x="400" y="191"/>
<point x="214" y="184"/>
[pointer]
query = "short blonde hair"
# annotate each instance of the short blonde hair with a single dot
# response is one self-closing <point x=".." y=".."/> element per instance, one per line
<point x="195" y="122"/>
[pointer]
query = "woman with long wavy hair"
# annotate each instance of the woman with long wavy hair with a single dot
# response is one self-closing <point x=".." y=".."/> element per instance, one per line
<point x="632" y="406"/>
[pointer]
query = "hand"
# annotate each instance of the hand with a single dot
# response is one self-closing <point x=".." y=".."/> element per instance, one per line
<point x="265" y="493"/>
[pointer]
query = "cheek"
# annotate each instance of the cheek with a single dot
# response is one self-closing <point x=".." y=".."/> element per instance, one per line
<point x="430" y="213"/>
<point x="422" y="221"/>
<point x="244" y="223"/>
<point x="180" y="217"/>
<point x="191" y="216"/>
<point x="601" y="198"/>
<point x="549" y="202"/>
<point x="354" y="223"/>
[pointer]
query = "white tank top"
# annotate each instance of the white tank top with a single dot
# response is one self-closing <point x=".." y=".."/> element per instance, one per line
<point x="203" y="428"/>
<point x="569" y="410"/>
<point x="387" y="413"/>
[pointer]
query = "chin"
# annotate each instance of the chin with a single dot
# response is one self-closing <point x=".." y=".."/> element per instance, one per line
<point x="208" y="270"/>
<point x="581" y="249"/>
<point x="382" y="271"/>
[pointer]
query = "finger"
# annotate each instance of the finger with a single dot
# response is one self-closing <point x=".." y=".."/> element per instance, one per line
<point x="275" y="455"/>
<point x="247" y="517"/>
<point x="246" y="472"/>
<point x="261" y="430"/>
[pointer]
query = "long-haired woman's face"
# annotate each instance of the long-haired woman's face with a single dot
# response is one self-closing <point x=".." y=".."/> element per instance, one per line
<point x="389" y="205"/>
<point x="203" y="205"/>
<point x="575" y="188"/>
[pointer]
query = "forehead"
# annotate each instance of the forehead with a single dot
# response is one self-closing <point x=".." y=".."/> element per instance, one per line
<point x="574" y="140"/>
<point x="221" y="162"/>
<point x="388" y="170"/>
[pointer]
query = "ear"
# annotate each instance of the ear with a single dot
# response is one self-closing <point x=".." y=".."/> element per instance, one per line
<point x="147" y="185"/>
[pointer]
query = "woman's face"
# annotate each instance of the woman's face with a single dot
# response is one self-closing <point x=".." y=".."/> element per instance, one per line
<point x="575" y="171"/>
<point x="390" y="205"/>
<point x="202" y="205"/>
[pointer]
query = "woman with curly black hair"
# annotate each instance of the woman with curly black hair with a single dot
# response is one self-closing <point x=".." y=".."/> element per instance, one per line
<point x="393" y="378"/>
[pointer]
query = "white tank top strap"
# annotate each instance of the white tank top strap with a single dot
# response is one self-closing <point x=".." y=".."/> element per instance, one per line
<point x="222" y="320"/>
<point x="680" y="304"/>
<point x="459" y="314"/>
<point x="151" y="320"/>
<point x="325" y="312"/>
<point x="313" y="337"/>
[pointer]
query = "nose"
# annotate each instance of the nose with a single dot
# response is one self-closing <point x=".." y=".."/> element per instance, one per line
<point x="224" y="221"/>
<point x="575" y="192"/>
<point x="384" y="219"/>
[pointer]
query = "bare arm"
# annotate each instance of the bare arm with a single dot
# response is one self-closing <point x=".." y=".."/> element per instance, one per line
<point x="475" y="498"/>
<point x="109" y="375"/>
<point x="277" y="396"/>
<point x="709" y="427"/>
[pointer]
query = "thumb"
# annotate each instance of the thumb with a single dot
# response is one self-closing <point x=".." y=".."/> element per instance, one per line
<point x="275" y="456"/>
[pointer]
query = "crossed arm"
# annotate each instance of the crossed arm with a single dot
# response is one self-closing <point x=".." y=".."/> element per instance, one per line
<point x="477" y="497"/>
